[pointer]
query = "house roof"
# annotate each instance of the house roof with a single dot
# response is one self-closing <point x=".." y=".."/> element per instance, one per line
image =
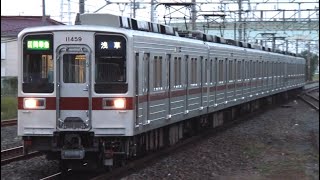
<point x="12" y="25"/>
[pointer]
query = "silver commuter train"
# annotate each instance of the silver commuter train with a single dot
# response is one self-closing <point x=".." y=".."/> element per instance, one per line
<point x="109" y="87"/>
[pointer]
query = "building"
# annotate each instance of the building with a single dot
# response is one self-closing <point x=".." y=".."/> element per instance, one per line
<point x="10" y="28"/>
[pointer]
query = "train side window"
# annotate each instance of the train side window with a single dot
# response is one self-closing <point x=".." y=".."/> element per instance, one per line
<point x="256" y="69"/>
<point x="215" y="71"/>
<point x="175" y="67"/>
<point x="264" y="68"/>
<point x="221" y="70"/>
<point x="205" y="74"/>
<point x="270" y="69"/>
<point x="246" y="68"/>
<point x="239" y="71"/>
<point x="186" y="70"/>
<point x="195" y="77"/>
<point x="211" y="68"/>
<point x="259" y="72"/>
<point x="177" y="72"/>
<point x="242" y="75"/>
<point x="180" y="71"/>
<point x="225" y="70"/>
<point x="193" y="80"/>
<point x="160" y="72"/>
<point x="157" y="73"/>
<point x="230" y="71"/>
<point x="146" y="72"/>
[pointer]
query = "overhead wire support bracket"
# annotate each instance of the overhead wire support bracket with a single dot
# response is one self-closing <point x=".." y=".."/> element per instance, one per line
<point x="170" y="5"/>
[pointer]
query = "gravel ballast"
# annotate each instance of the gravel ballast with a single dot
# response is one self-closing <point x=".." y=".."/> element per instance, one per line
<point x="279" y="144"/>
<point x="9" y="138"/>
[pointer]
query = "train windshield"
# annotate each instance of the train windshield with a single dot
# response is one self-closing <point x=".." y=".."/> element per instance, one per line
<point x="110" y="64"/>
<point x="38" y="64"/>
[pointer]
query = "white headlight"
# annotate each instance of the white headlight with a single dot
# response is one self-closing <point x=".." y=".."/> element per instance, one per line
<point x="120" y="103"/>
<point x="34" y="103"/>
<point x="30" y="103"/>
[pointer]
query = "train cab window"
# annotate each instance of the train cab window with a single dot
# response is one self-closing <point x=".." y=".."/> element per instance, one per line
<point x="38" y="66"/>
<point x="110" y="64"/>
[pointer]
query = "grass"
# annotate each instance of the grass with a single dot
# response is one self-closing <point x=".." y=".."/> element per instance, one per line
<point x="254" y="150"/>
<point x="8" y="107"/>
<point x="287" y="169"/>
<point x="315" y="77"/>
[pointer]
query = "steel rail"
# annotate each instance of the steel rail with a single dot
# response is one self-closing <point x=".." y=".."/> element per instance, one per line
<point x="16" y="154"/>
<point x="9" y="122"/>
<point x="302" y="97"/>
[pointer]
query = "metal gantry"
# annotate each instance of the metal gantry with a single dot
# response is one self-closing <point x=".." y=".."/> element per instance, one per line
<point x="291" y="21"/>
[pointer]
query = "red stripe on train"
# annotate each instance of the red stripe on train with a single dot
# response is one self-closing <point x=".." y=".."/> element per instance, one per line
<point x="75" y="103"/>
<point x="81" y="103"/>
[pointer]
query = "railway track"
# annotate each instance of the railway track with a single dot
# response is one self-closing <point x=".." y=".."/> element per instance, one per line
<point x="152" y="157"/>
<point x="311" y="100"/>
<point x="187" y="143"/>
<point x="143" y="162"/>
<point x="16" y="154"/>
<point x="9" y="122"/>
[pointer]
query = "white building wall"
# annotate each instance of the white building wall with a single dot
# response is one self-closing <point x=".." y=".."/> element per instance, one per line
<point x="9" y="62"/>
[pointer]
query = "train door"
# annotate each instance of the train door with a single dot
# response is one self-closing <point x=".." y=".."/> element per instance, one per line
<point x="168" y="85"/>
<point x="74" y="102"/>
<point x="204" y="83"/>
<point x="142" y="88"/>
<point x="186" y="82"/>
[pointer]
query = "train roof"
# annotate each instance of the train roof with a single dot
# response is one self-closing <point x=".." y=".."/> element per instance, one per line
<point x="134" y="24"/>
<point x="109" y="22"/>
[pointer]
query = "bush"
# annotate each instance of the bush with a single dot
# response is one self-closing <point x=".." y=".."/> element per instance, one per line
<point x="9" y="86"/>
<point x="8" y="107"/>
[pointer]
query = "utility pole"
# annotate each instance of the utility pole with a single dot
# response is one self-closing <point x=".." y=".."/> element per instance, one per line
<point x="61" y="10"/>
<point x="309" y="75"/>
<point x="81" y="6"/>
<point x="43" y="11"/>
<point x="273" y="43"/>
<point x="134" y="8"/>
<point x="194" y="14"/>
<point x="152" y="11"/>
<point x="69" y="12"/>
<point x="240" y="19"/>
<point x="297" y="45"/>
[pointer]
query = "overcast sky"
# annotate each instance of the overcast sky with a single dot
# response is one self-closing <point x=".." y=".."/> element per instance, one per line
<point x="34" y="7"/>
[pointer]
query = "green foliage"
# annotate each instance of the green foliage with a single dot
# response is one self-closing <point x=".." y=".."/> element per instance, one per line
<point x="9" y="89"/>
<point x="313" y="62"/>
<point x="9" y="86"/>
<point x="8" y="107"/>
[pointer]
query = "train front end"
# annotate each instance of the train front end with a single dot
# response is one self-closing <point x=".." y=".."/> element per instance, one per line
<point x="74" y="100"/>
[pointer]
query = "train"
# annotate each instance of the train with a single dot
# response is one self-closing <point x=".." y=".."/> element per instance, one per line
<point x="112" y="88"/>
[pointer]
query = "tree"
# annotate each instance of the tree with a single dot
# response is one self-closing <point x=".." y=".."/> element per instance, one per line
<point x="313" y="62"/>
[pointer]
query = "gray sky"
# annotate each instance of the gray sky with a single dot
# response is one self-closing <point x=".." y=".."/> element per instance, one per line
<point x="34" y="7"/>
